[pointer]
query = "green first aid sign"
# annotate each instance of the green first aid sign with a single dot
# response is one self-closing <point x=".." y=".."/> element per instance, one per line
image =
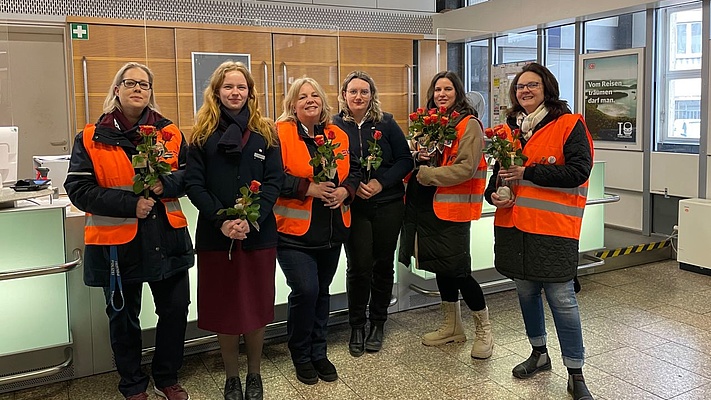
<point x="80" y="31"/>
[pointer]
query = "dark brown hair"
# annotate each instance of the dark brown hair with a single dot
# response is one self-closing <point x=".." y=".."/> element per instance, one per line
<point x="551" y="92"/>
<point x="461" y="104"/>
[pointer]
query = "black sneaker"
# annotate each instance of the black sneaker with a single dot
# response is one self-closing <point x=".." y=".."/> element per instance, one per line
<point x="306" y="373"/>
<point x="325" y="370"/>
<point x="533" y="365"/>
<point x="253" y="389"/>
<point x="578" y="388"/>
<point x="233" y="388"/>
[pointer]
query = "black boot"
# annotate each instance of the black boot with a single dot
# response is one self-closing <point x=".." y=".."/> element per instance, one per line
<point x="356" y="346"/>
<point x="374" y="342"/>
<point x="578" y="388"/>
<point x="233" y="388"/>
<point x="253" y="387"/>
<point x="535" y="363"/>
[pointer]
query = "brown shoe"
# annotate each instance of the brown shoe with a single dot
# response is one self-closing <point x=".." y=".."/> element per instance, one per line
<point x="140" y="396"/>
<point x="174" y="392"/>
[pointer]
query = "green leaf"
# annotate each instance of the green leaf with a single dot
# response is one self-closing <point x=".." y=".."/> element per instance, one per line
<point x="138" y="187"/>
<point x="222" y="211"/>
<point x="244" y="191"/>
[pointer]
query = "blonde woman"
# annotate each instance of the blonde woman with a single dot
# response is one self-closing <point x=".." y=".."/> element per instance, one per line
<point x="145" y="237"/>
<point x="313" y="222"/>
<point x="231" y="146"/>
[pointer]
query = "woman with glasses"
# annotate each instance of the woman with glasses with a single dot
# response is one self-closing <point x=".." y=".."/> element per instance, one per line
<point x="135" y="238"/>
<point x="441" y="202"/>
<point x="537" y="233"/>
<point x="231" y="146"/>
<point x="313" y="219"/>
<point x="377" y="210"/>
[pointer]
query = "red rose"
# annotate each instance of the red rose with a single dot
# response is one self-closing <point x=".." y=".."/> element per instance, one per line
<point x="444" y="121"/>
<point x="147" y="130"/>
<point x="432" y="111"/>
<point x="413" y="117"/>
<point x="330" y="135"/>
<point x="516" y="133"/>
<point x="377" y="135"/>
<point x="427" y="120"/>
<point x="320" y="141"/>
<point x="420" y="110"/>
<point x="501" y="134"/>
<point x="454" y="115"/>
<point x="254" y="186"/>
<point x="489" y="133"/>
<point x="166" y="135"/>
<point x="442" y="109"/>
<point x="434" y="118"/>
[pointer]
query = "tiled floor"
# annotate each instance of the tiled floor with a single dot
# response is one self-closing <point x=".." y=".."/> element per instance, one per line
<point x="647" y="332"/>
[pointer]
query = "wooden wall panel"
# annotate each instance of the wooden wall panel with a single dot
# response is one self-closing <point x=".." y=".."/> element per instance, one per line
<point x="257" y="44"/>
<point x="313" y="56"/>
<point x="109" y="47"/>
<point x="386" y="61"/>
<point x="428" y="64"/>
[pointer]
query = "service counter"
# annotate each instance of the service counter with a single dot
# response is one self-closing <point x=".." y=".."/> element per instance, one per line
<point x="55" y="328"/>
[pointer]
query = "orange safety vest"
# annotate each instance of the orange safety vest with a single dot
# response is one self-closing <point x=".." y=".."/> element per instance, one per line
<point x="293" y="216"/>
<point x="547" y="210"/>
<point x="461" y="202"/>
<point x="113" y="169"/>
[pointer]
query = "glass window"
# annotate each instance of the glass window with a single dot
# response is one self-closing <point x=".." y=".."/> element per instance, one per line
<point x="516" y="47"/>
<point x="476" y="80"/>
<point x="560" y="59"/>
<point x="678" y="106"/>
<point x="615" y="33"/>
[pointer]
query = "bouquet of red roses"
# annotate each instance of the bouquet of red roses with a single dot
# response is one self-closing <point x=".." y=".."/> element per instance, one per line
<point x="149" y="159"/>
<point x="433" y="128"/>
<point x="506" y="152"/>
<point x="503" y="150"/>
<point x="325" y="156"/>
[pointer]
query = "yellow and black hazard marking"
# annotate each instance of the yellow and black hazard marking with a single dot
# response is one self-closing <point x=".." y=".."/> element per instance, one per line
<point x="632" y="249"/>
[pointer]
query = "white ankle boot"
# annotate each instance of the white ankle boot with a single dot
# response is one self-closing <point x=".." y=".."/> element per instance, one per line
<point x="483" y="342"/>
<point x="451" y="329"/>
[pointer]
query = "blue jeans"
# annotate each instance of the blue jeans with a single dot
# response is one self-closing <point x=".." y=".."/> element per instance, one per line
<point x="564" y="306"/>
<point x="308" y="273"/>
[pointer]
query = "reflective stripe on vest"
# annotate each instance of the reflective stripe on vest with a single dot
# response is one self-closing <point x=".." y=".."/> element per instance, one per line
<point x="113" y="169"/>
<point x="552" y="211"/>
<point x="293" y="216"/>
<point x="461" y="202"/>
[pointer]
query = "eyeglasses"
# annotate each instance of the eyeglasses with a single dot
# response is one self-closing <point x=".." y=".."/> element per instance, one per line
<point x="529" y="85"/>
<point x="364" y="92"/>
<point x="130" y="83"/>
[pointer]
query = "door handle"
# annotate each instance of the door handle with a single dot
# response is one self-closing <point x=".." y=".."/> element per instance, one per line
<point x="62" y="143"/>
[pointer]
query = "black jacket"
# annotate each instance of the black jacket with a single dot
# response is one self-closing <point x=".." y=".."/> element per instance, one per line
<point x="213" y="180"/>
<point x="158" y="251"/>
<point x="397" y="159"/>
<point x="326" y="229"/>
<point x="535" y="257"/>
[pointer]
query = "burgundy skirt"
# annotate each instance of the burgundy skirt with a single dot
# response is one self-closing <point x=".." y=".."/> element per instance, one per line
<point x="235" y="296"/>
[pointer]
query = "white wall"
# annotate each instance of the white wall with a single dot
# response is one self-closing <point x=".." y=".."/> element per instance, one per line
<point x="385" y="5"/>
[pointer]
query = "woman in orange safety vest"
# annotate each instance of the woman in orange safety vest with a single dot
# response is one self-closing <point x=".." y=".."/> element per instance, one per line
<point x="536" y="233"/>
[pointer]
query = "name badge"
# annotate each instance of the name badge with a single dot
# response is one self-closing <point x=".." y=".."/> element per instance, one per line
<point x="259" y="156"/>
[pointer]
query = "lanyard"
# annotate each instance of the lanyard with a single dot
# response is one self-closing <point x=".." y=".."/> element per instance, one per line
<point x="115" y="278"/>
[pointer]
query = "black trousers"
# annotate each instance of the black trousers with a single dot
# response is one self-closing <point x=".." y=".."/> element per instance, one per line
<point x="450" y="287"/>
<point x="371" y="259"/>
<point x="171" y="297"/>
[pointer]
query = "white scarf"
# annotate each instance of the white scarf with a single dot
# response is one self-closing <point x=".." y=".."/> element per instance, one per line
<point x="528" y="122"/>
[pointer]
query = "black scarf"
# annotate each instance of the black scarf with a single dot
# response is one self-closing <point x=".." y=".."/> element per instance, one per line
<point x="234" y="126"/>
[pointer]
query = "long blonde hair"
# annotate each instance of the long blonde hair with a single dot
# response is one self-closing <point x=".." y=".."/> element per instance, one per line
<point x="208" y="116"/>
<point x="111" y="102"/>
<point x="292" y="96"/>
<point x="374" y="112"/>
